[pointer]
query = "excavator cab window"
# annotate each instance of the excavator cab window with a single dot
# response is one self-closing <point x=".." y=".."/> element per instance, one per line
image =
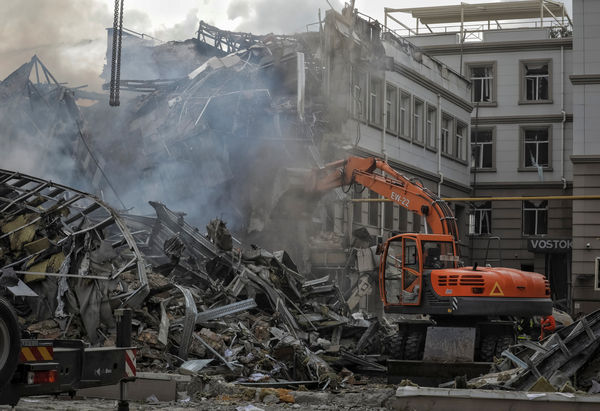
<point x="438" y="254"/>
<point x="411" y="275"/>
<point x="393" y="272"/>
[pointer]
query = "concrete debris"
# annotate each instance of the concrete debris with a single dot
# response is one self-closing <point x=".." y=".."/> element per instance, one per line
<point x="567" y="358"/>
<point x="201" y="304"/>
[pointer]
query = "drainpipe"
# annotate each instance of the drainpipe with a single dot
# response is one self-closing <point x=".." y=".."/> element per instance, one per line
<point x="564" y="118"/>
<point x="439" y="144"/>
<point x="383" y="149"/>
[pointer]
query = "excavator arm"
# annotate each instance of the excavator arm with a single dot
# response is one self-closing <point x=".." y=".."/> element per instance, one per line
<point x="408" y="193"/>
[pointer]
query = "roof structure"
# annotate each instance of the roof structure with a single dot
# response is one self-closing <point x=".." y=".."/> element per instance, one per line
<point x="497" y="11"/>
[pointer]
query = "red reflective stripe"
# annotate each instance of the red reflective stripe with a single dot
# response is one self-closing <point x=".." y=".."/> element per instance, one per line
<point x="130" y="366"/>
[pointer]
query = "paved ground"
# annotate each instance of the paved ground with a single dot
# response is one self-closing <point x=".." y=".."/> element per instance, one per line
<point x="359" y="398"/>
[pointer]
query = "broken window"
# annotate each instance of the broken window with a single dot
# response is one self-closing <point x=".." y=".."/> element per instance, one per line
<point x="431" y="126"/>
<point x="402" y="219"/>
<point x="482" y="83"/>
<point x="375" y="101"/>
<point x="447" y="127"/>
<point x="418" y="121"/>
<point x="536" y="81"/>
<point x="359" y="89"/>
<point x="536" y="147"/>
<point x="483" y="218"/>
<point x="357" y="207"/>
<point x="390" y="106"/>
<point x="459" y="149"/>
<point x="482" y="146"/>
<point x="388" y="215"/>
<point x="535" y="217"/>
<point x="404" y="120"/>
<point x="373" y="209"/>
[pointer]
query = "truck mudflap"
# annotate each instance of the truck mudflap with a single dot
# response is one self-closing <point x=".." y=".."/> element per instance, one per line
<point x="59" y="366"/>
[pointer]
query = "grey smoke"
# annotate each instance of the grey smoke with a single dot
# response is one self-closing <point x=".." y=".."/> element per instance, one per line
<point x="279" y="16"/>
<point x="67" y="35"/>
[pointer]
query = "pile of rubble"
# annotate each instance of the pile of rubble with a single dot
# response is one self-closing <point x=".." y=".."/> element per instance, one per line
<point x="248" y="309"/>
<point x="200" y="301"/>
<point x="565" y="361"/>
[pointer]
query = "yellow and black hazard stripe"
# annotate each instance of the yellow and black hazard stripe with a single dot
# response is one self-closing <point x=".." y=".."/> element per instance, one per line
<point x="39" y="353"/>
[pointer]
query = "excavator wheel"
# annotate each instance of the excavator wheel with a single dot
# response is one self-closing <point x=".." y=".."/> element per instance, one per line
<point x="503" y="343"/>
<point x="415" y="341"/>
<point x="487" y="348"/>
<point x="10" y="342"/>
<point x="396" y="346"/>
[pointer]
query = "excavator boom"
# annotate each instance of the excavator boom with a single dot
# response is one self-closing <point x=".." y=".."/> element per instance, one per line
<point x="408" y="193"/>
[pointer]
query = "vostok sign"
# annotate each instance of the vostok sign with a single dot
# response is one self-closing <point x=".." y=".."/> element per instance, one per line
<point x="546" y="245"/>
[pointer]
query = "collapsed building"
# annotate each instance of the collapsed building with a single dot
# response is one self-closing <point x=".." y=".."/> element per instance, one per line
<point x="232" y="132"/>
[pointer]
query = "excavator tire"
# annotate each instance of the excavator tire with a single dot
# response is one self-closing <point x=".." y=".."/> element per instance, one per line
<point x="396" y="347"/>
<point x="10" y="342"/>
<point x="414" y="345"/>
<point x="487" y="348"/>
<point x="503" y="343"/>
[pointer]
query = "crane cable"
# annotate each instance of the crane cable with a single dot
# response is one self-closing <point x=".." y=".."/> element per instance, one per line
<point x="117" y="38"/>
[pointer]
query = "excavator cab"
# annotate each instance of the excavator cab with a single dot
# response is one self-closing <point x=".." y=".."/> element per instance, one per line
<point x="405" y="260"/>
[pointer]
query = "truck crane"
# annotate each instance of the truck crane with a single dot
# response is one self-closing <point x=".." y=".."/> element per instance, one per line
<point x="420" y="274"/>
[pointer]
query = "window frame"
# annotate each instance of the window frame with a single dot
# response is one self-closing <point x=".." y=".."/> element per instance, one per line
<point x="392" y="112"/>
<point x="415" y="134"/>
<point x="523" y="151"/>
<point x="358" y="103"/>
<point x="523" y="83"/>
<point x="492" y="143"/>
<point x="431" y="128"/>
<point x="462" y="156"/>
<point x="374" y="209"/>
<point x="357" y="209"/>
<point x="407" y="126"/>
<point x="536" y="210"/>
<point x="449" y="134"/>
<point x="479" y="210"/>
<point x="494" y="88"/>
<point x="376" y="96"/>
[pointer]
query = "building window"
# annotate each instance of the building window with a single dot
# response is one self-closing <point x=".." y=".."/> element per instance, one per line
<point x="375" y="101"/>
<point x="388" y="215"/>
<point x="431" y="126"/>
<point x="482" y="83"/>
<point x="535" y="217"/>
<point x="402" y="219"/>
<point x="404" y="119"/>
<point x="390" y="107"/>
<point x="536" y="147"/>
<point x="535" y="80"/>
<point x="357" y="207"/>
<point x="482" y="146"/>
<point x="447" y="127"/>
<point x="483" y="218"/>
<point x="419" y="108"/>
<point x="359" y="89"/>
<point x="460" y="145"/>
<point x="373" y="209"/>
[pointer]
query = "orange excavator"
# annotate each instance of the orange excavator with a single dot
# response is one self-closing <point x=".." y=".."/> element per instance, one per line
<point x="472" y="308"/>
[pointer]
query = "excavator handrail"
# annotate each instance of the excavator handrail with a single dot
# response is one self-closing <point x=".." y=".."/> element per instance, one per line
<point x="406" y="192"/>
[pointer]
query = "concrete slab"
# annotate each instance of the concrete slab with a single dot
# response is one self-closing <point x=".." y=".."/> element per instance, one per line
<point x="439" y="399"/>
<point x="162" y="385"/>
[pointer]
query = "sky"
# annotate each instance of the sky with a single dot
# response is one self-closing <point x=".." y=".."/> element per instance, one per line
<point x="70" y="37"/>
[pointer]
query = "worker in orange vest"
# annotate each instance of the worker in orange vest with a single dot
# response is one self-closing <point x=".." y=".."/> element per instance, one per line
<point x="548" y="324"/>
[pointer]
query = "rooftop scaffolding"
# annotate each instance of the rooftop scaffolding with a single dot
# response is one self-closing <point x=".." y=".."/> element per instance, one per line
<point x="488" y="16"/>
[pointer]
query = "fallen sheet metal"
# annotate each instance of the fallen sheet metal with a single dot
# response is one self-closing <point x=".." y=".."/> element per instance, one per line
<point x="229" y="309"/>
